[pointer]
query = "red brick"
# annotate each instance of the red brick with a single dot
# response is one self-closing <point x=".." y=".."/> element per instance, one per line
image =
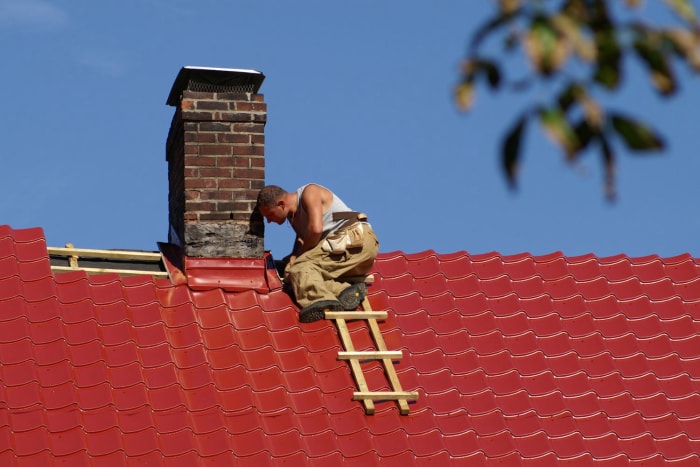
<point x="234" y="138"/>
<point x="193" y="206"/>
<point x="195" y="137"/>
<point x="197" y="115"/>
<point x="209" y="183"/>
<point x="212" y="105"/>
<point x="215" y="150"/>
<point x="200" y="161"/>
<point x="232" y="183"/>
<point x="214" y="126"/>
<point x="249" y="127"/>
<point x="233" y="96"/>
<point x="223" y="195"/>
<point x="214" y="216"/>
<point x="225" y="161"/>
<point x="248" y="150"/>
<point x="196" y="95"/>
<point x="249" y="173"/>
<point x="216" y="173"/>
<point x="236" y="117"/>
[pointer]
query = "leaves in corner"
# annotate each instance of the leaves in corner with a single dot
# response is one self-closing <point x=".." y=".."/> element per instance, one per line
<point x="636" y="135"/>
<point x="609" y="169"/>
<point x="510" y="153"/>
<point x="559" y="130"/>
<point x="648" y="46"/>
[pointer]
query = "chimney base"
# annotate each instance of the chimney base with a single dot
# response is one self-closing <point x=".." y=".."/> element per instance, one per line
<point x="220" y="240"/>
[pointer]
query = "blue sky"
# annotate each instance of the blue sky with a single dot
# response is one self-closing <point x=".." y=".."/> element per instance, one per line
<point x="359" y="99"/>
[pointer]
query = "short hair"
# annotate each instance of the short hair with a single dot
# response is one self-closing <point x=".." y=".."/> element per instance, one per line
<point x="269" y="195"/>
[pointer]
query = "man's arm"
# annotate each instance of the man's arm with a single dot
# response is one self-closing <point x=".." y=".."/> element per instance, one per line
<point x="296" y="251"/>
<point x="312" y="200"/>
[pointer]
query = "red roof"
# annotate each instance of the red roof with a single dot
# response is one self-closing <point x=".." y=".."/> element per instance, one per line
<point x="517" y="359"/>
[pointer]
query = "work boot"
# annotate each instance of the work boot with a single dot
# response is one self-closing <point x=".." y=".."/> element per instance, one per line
<point x="317" y="310"/>
<point x="351" y="297"/>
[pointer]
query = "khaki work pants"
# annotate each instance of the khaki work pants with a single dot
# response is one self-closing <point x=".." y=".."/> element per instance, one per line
<point x="318" y="275"/>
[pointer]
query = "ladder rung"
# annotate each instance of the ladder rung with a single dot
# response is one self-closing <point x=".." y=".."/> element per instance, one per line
<point x="385" y="395"/>
<point x="356" y="314"/>
<point x="370" y="355"/>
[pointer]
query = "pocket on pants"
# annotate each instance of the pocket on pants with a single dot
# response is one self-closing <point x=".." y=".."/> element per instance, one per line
<point x="349" y="238"/>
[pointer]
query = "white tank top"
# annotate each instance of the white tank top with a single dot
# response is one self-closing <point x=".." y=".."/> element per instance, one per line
<point x="337" y="205"/>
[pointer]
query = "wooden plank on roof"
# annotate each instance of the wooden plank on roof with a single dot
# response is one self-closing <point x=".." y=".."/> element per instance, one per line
<point x="125" y="255"/>
<point x="385" y="395"/>
<point x="123" y="272"/>
<point x="92" y="261"/>
<point x="371" y="355"/>
<point x="356" y="315"/>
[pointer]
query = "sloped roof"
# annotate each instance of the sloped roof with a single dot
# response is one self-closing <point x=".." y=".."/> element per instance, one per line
<point x="517" y="359"/>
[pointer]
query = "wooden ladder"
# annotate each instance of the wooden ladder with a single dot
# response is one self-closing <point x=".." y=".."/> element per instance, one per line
<point x="356" y="358"/>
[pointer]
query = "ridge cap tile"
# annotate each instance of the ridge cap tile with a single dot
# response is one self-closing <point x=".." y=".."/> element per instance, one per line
<point x="582" y="258"/>
<point x="668" y="260"/>
<point x="419" y="255"/>
<point x="605" y="260"/>
<point x="450" y="256"/>
<point x="547" y="257"/>
<point x="515" y="257"/>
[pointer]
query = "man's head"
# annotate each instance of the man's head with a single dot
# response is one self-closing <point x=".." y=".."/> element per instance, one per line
<point x="272" y="204"/>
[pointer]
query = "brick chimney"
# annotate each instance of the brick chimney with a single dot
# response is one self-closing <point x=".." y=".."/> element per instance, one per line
<point x="216" y="162"/>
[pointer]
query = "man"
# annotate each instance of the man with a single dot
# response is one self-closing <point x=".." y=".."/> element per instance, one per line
<point x="333" y="250"/>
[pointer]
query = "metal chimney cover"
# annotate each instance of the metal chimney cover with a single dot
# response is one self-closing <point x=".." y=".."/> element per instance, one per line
<point x="204" y="79"/>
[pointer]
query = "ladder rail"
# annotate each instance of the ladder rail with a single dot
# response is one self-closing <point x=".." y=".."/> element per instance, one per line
<point x="355" y="365"/>
<point x="388" y="364"/>
<point x="382" y="354"/>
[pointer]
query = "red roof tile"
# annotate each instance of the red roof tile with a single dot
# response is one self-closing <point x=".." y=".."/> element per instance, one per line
<point x="522" y="359"/>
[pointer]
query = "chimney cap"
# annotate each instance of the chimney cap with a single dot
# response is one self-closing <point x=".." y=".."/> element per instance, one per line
<point x="194" y="78"/>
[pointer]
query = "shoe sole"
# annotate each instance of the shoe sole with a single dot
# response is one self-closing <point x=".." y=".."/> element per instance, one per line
<point x="317" y="311"/>
<point x="351" y="297"/>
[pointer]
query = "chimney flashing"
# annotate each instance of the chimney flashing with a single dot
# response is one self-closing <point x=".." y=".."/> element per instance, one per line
<point x="205" y="79"/>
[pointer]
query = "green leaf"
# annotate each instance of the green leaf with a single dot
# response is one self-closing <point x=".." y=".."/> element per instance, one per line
<point x="472" y="70"/>
<point x="683" y="8"/>
<point x="648" y="45"/>
<point x="544" y="47"/>
<point x="576" y="9"/>
<point x="464" y="95"/>
<point x="476" y="68"/>
<point x="510" y="152"/>
<point x="509" y="6"/>
<point x="608" y="168"/>
<point x="637" y="136"/>
<point x="599" y="18"/>
<point x="686" y="45"/>
<point x="584" y="134"/>
<point x="608" y="57"/>
<point x="490" y="26"/>
<point x="557" y="127"/>
<point x="569" y="95"/>
<point x="572" y="33"/>
<point x="492" y="72"/>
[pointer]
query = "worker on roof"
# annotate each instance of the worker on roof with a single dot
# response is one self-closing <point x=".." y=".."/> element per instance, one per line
<point x="333" y="250"/>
